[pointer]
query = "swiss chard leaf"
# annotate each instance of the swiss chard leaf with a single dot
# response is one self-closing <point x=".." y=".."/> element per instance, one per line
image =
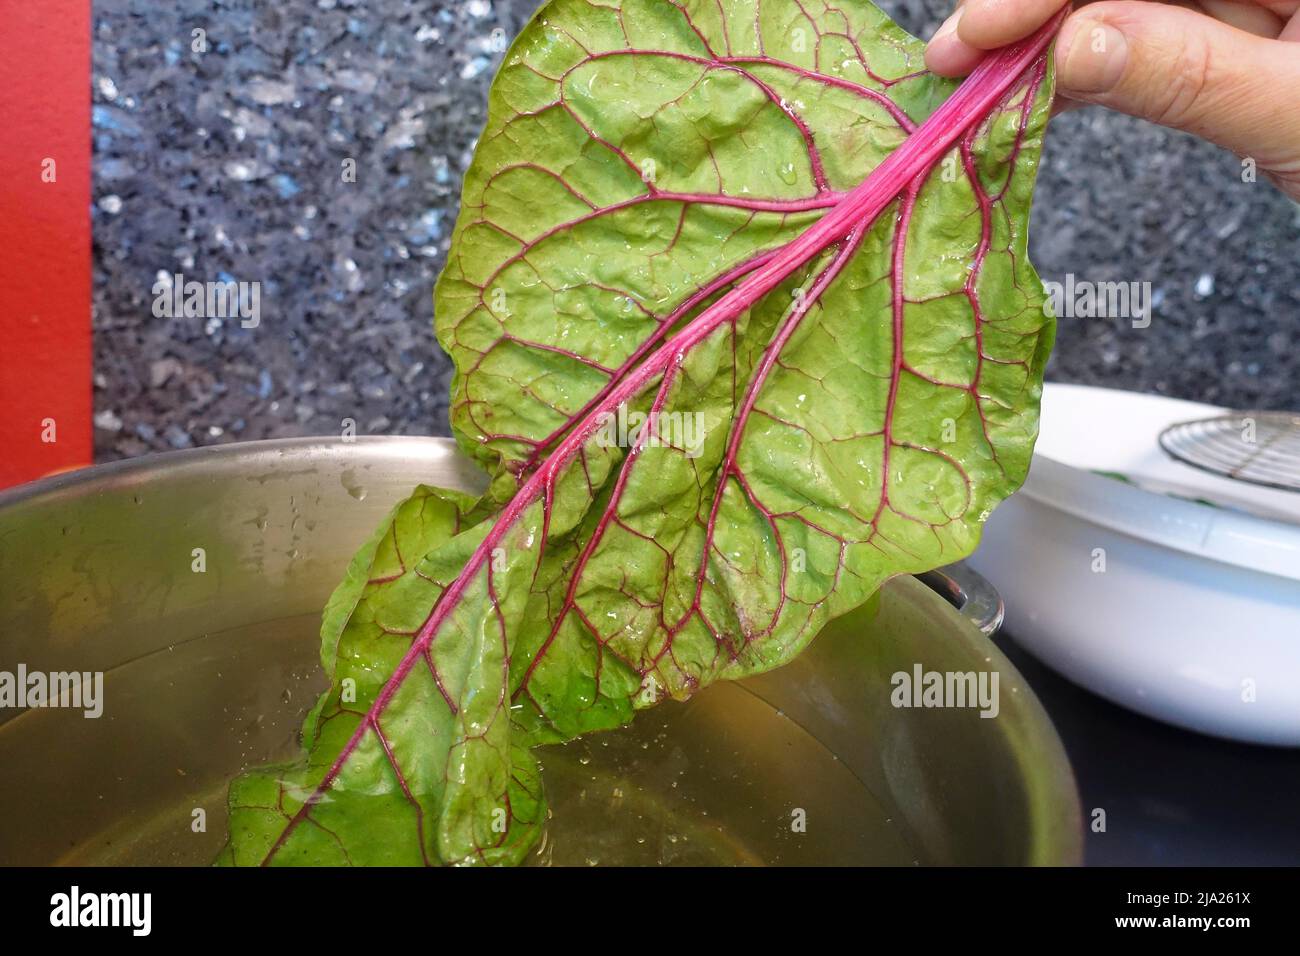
<point x="366" y="631"/>
<point x="798" y="255"/>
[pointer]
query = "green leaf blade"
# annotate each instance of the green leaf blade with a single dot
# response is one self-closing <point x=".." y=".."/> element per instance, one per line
<point x="861" y="370"/>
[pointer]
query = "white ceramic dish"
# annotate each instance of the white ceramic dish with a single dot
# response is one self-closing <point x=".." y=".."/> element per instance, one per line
<point x="1181" y="610"/>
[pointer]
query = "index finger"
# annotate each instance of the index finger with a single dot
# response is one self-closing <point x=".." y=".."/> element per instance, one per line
<point x="989" y="24"/>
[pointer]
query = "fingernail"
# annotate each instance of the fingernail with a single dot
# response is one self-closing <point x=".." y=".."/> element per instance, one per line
<point x="1091" y="56"/>
<point x="948" y="26"/>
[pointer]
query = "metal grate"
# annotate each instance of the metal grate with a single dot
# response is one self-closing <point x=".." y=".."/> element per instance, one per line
<point x="1262" y="448"/>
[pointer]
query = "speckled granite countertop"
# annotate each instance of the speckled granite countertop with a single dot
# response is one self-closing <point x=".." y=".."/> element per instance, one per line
<point x="226" y="164"/>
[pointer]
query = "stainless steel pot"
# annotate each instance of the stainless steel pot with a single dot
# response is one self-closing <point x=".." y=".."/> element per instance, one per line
<point x="193" y="581"/>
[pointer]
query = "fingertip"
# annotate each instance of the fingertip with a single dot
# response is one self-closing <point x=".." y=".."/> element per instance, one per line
<point x="989" y="24"/>
<point x="952" y="58"/>
<point x="1091" y="56"/>
<point x="947" y="54"/>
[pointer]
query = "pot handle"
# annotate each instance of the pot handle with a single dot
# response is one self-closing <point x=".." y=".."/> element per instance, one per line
<point x="970" y="593"/>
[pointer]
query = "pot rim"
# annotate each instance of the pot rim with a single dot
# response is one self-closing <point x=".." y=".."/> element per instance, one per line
<point x="1054" y="825"/>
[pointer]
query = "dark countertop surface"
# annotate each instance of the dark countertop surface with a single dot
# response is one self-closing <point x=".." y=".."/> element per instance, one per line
<point x="1171" y="797"/>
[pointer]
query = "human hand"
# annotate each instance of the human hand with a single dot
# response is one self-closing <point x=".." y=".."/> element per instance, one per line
<point x="1227" y="70"/>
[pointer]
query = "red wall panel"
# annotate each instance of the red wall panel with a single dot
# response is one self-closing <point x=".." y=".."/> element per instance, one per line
<point x="45" y="339"/>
